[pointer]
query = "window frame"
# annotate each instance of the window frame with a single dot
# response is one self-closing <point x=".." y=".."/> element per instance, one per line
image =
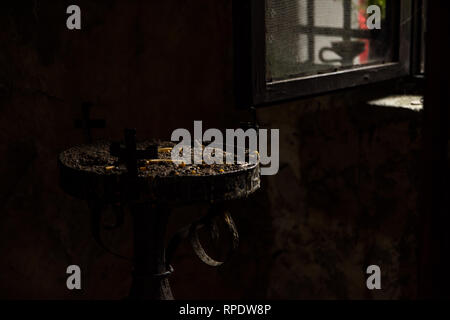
<point x="418" y="37"/>
<point x="251" y="87"/>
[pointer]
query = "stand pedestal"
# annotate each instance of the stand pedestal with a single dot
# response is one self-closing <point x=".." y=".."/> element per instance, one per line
<point x="150" y="274"/>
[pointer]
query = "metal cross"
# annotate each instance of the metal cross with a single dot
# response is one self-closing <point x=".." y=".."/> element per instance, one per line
<point x="129" y="154"/>
<point x="86" y="123"/>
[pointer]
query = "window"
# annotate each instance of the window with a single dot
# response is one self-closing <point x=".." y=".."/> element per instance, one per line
<point x="292" y="48"/>
<point x="306" y="37"/>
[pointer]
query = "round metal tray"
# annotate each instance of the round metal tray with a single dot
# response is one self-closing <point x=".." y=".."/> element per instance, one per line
<point x="83" y="181"/>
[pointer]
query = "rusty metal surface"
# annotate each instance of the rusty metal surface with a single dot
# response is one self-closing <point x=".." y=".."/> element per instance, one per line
<point x="175" y="190"/>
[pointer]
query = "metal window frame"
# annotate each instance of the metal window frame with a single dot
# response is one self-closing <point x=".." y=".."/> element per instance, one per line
<point x="418" y="39"/>
<point x="250" y="84"/>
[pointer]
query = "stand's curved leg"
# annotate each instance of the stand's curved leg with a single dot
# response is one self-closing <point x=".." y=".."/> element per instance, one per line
<point x="191" y="232"/>
<point x="96" y="206"/>
<point x="198" y="248"/>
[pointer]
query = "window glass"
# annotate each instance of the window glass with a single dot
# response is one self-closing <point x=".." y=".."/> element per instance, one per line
<point x="309" y="37"/>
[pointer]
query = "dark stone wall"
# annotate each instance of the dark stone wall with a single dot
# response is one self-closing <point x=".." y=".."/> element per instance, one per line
<point x="345" y="196"/>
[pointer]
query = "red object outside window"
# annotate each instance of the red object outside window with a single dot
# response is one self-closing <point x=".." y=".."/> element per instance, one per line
<point x="362" y="19"/>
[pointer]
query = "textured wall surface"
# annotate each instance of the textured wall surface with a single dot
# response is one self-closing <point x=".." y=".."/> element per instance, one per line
<point x="345" y="196"/>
